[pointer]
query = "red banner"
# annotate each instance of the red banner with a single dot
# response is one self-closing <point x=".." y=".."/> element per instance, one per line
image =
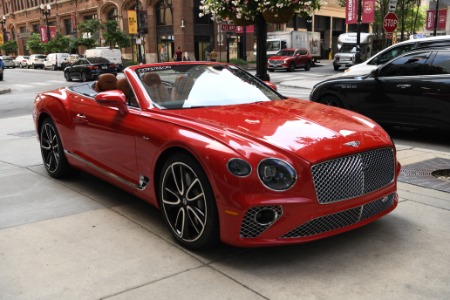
<point x="442" y="19"/>
<point x="351" y="11"/>
<point x="43" y="33"/>
<point x="368" y="11"/>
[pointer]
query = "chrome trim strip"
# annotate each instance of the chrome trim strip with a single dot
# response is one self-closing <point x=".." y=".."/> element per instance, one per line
<point x="109" y="174"/>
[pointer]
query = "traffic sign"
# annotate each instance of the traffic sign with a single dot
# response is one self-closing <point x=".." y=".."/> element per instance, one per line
<point x="390" y="22"/>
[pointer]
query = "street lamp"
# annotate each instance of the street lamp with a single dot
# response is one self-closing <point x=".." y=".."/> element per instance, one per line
<point x="45" y="10"/>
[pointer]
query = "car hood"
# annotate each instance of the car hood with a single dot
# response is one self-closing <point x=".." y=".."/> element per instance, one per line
<point x="312" y="131"/>
<point x="276" y="57"/>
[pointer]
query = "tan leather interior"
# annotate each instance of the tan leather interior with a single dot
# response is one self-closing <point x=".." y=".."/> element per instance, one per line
<point x="157" y="90"/>
<point x="106" y="82"/>
<point x="182" y="87"/>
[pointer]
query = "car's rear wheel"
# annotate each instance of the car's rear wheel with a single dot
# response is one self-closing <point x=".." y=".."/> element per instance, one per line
<point x="67" y="76"/>
<point x="331" y="100"/>
<point x="187" y="202"/>
<point x="52" y="151"/>
<point x="336" y="68"/>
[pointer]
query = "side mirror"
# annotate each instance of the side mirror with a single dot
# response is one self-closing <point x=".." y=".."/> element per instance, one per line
<point x="374" y="73"/>
<point x="114" y="98"/>
<point x="271" y="85"/>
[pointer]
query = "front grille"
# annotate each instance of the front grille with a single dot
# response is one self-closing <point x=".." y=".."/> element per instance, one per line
<point x="353" y="176"/>
<point x="276" y="62"/>
<point x="341" y="219"/>
<point x="250" y="228"/>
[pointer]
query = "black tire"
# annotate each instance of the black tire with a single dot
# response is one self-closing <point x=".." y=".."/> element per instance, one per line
<point x="52" y="151"/>
<point x="336" y="68"/>
<point x="308" y="66"/>
<point x="331" y="100"/>
<point x="54" y="67"/>
<point x="187" y="202"/>
<point x="271" y="70"/>
<point x="83" y="77"/>
<point x="291" y="67"/>
<point x="34" y="67"/>
<point x="67" y="76"/>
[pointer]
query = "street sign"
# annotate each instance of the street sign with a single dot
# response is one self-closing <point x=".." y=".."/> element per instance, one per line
<point x="392" y="5"/>
<point x="390" y="22"/>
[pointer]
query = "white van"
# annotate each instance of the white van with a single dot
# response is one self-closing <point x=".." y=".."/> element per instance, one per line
<point x="395" y="50"/>
<point x="54" y="60"/>
<point x="113" y="55"/>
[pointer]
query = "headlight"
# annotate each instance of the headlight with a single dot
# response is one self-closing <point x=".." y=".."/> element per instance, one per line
<point x="276" y="174"/>
<point x="239" y="167"/>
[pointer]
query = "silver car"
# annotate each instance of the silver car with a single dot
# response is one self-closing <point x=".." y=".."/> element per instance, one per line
<point x="21" y="61"/>
<point x="36" y="61"/>
<point x="8" y="61"/>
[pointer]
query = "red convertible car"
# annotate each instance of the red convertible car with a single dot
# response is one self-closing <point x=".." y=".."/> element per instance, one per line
<point x="222" y="154"/>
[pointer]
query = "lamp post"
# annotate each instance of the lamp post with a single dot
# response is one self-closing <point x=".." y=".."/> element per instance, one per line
<point x="138" y="37"/>
<point x="45" y="10"/>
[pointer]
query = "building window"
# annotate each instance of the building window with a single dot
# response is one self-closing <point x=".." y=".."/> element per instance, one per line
<point x="68" y="28"/>
<point x="112" y="14"/>
<point x="164" y="14"/>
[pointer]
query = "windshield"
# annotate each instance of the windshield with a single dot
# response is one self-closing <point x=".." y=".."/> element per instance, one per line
<point x="202" y="85"/>
<point x="285" y="53"/>
<point x="273" y="45"/>
<point x="348" y="48"/>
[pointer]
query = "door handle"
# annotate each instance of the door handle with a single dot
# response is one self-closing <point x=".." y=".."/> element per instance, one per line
<point x="404" y="85"/>
<point x="81" y="119"/>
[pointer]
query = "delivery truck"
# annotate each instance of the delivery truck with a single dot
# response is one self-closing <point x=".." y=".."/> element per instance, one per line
<point x="347" y="49"/>
<point x="279" y="40"/>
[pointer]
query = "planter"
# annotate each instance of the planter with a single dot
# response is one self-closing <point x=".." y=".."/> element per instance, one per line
<point x="242" y="22"/>
<point x="279" y="15"/>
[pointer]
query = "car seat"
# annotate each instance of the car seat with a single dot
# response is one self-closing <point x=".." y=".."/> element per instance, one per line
<point x="106" y="82"/>
<point x="157" y="90"/>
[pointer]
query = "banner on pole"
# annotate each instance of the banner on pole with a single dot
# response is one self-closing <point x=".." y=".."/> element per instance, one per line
<point x="132" y="22"/>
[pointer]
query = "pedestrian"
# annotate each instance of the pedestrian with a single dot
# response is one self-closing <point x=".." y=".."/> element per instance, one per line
<point x="178" y="55"/>
<point x="186" y="56"/>
<point x="2" y="65"/>
<point x="162" y="54"/>
<point x="213" y="55"/>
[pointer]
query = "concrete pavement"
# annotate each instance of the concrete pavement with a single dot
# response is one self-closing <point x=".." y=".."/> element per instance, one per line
<point x="82" y="238"/>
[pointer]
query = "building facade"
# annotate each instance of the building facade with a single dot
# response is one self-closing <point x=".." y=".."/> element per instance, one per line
<point x="164" y="26"/>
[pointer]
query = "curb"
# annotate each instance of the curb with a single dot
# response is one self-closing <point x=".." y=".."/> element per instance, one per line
<point x="4" y="91"/>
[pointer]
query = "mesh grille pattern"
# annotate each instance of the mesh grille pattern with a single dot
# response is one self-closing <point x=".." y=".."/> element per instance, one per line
<point x="342" y="219"/>
<point x="250" y="228"/>
<point x="353" y="176"/>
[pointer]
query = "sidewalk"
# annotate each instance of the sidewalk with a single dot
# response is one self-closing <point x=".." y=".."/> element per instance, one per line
<point x="81" y="238"/>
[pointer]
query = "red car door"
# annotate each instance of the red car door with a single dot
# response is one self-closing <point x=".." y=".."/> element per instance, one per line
<point x="106" y="137"/>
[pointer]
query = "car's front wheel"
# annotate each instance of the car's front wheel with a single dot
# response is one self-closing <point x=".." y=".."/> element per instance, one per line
<point x="52" y="151"/>
<point x="67" y="76"/>
<point x="187" y="202"/>
<point x="83" y="77"/>
<point x="308" y="66"/>
<point x="331" y="100"/>
<point x="291" y="67"/>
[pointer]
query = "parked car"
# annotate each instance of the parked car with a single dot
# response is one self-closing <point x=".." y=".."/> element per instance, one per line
<point x="411" y="90"/>
<point x="36" y="61"/>
<point x="290" y="59"/>
<point x="21" y="61"/>
<point x="221" y="153"/>
<point x="113" y="55"/>
<point x="69" y="60"/>
<point x="395" y="50"/>
<point x="86" y="69"/>
<point x="53" y="60"/>
<point x="8" y="61"/>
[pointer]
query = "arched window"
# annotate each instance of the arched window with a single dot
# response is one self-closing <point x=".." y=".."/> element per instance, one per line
<point x="112" y="14"/>
<point x="164" y="14"/>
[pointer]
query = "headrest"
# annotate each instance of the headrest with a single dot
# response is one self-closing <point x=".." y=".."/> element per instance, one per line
<point x="151" y="79"/>
<point x="106" y="82"/>
<point x="123" y="85"/>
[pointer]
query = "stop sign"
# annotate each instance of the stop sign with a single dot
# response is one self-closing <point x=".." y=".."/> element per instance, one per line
<point x="390" y="22"/>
